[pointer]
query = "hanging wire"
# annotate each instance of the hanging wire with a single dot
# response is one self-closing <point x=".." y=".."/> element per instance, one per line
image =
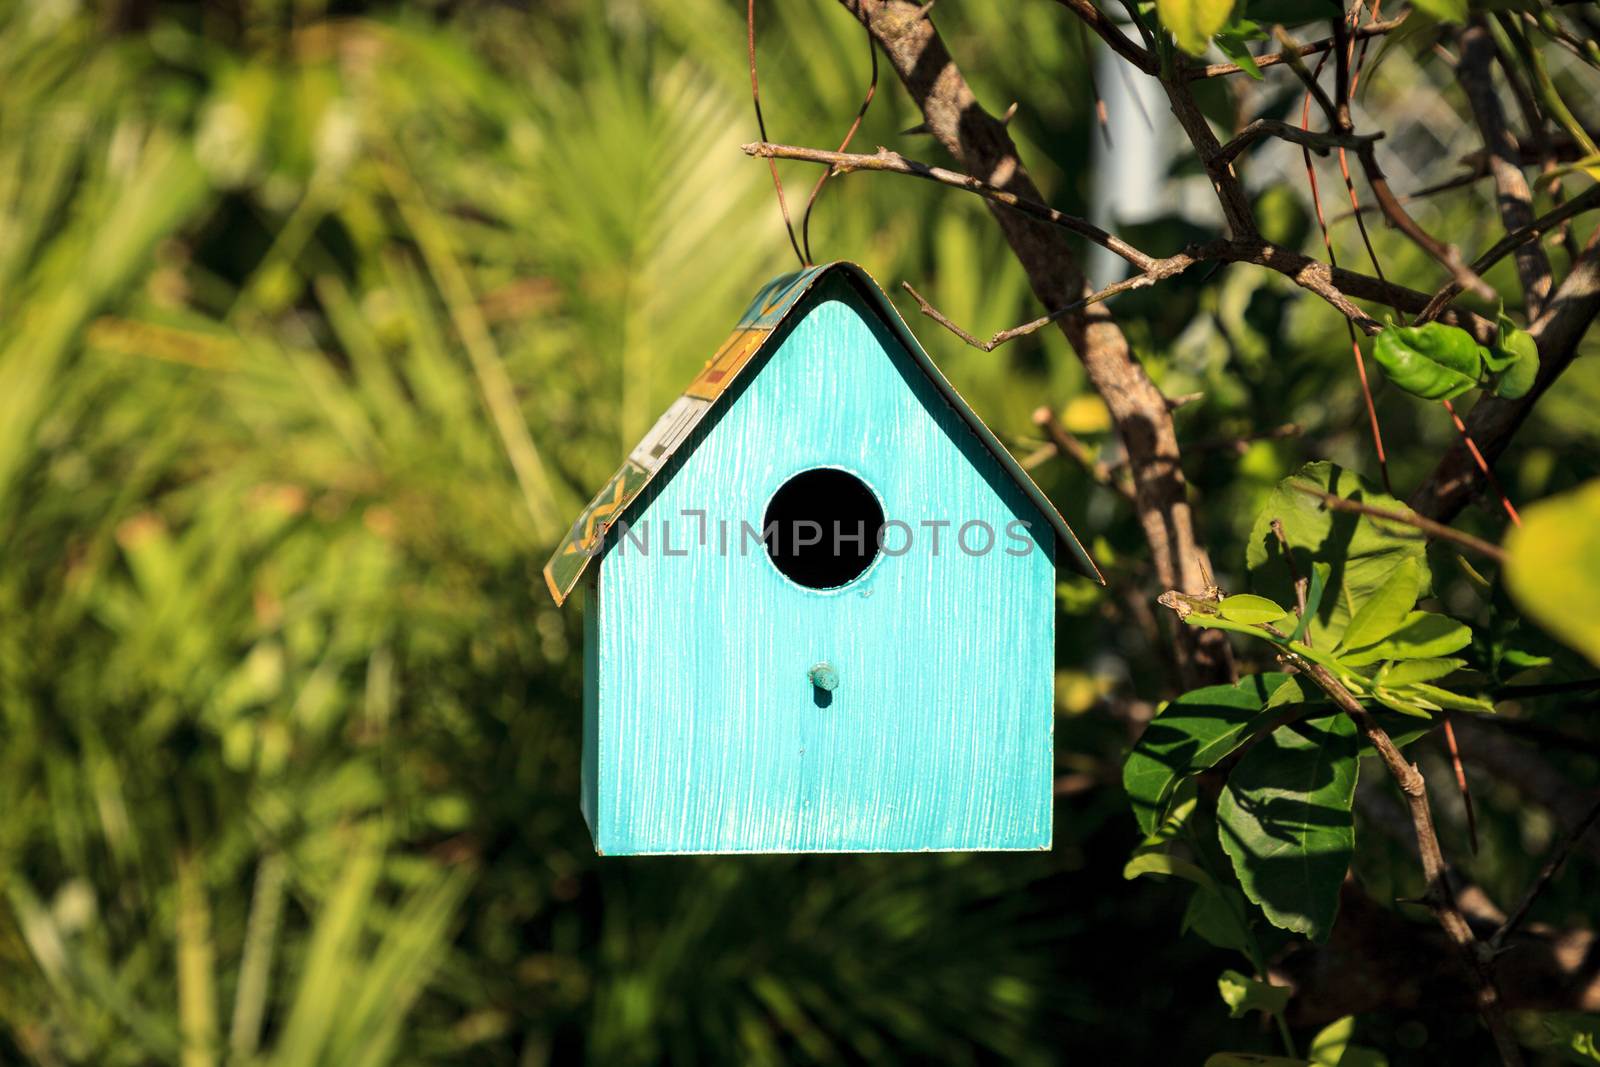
<point x="872" y="89"/>
<point x="761" y="124"/>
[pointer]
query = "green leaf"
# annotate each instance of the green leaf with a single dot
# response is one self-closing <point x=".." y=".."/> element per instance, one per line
<point x="1405" y="672"/>
<point x="1395" y="702"/>
<point x="1250" y="609"/>
<point x="1423" y="635"/>
<point x="1243" y="995"/>
<point x="1359" y="554"/>
<point x="1332" y="1048"/>
<point x="1553" y="566"/>
<point x="1433" y="361"/>
<point x="1252" y="1059"/>
<point x="1445" y="698"/>
<point x="1166" y="864"/>
<point x="1217" y="622"/>
<point x="1214" y="913"/>
<point x="1287" y="693"/>
<point x="1384" y="612"/>
<point x="1190" y="734"/>
<point x="1514" y="358"/>
<point x="1194" y="22"/>
<point x="1284" y="820"/>
<point x="1575" y="1036"/>
<point x="1233" y="41"/>
<point x="1444" y="10"/>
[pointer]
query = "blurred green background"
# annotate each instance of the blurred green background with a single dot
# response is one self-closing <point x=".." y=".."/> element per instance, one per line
<point x="318" y="323"/>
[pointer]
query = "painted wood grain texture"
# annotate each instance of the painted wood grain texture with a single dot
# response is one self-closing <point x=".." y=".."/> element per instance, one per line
<point x="703" y="732"/>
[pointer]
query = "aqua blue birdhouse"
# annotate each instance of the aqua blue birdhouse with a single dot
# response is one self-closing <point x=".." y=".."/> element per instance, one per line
<point x="819" y="603"/>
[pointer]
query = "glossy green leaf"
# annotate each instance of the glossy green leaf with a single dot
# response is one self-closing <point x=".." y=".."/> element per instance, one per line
<point x="1217" y="622"/>
<point x="1386" y="609"/>
<point x="1290" y="692"/>
<point x="1423" y="635"/>
<point x="1514" y="358"/>
<point x="1243" y="994"/>
<point x="1163" y="863"/>
<point x="1396" y="702"/>
<point x="1190" y="734"/>
<point x="1284" y="820"/>
<point x="1405" y="672"/>
<point x="1192" y="23"/>
<point x="1359" y="554"/>
<point x="1433" y="361"/>
<point x="1553" y="566"/>
<point x="1445" y="698"/>
<point x="1233" y="41"/>
<point x="1250" y="609"/>
<point x="1332" y="1047"/>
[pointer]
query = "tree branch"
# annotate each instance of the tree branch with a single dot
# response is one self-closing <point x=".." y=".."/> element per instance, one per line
<point x="1223" y="70"/>
<point x="894" y="162"/>
<point x="1514" y="198"/>
<point x="983" y="147"/>
<point x="1320" y="143"/>
<point x="1108" y="32"/>
<point x="1417" y="522"/>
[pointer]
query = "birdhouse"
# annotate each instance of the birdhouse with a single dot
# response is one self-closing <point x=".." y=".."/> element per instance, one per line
<point x="819" y="603"/>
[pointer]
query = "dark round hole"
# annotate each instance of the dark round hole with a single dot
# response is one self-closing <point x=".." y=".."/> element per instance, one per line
<point x="821" y="528"/>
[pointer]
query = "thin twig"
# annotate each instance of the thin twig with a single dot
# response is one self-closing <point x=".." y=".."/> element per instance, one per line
<point x="1547" y="874"/>
<point x="1159" y="269"/>
<point x="1222" y="70"/>
<point x="1068" y="445"/>
<point x="894" y="162"/>
<point x="761" y="125"/>
<point x="861" y="113"/>
<point x="1320" y="143"/>
<point x="1108" y="32"/>
<point x="1588" y="200"/>
<point x="1406" y="518"/>
<point x="1292" y="57"/>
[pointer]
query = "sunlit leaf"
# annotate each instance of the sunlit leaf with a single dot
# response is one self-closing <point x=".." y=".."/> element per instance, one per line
<point x="1243" y="994"/>
<point x="1433" y="361"/>
<point x="1359" y="554"/>
<point x="1193" y="22"/>
<point x="1553" y="566"/>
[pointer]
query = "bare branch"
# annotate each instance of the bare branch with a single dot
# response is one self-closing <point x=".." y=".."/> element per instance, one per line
<point x="1222" y="70"/>
<point x="1514" y="197"/>
<point x="1160" y="269"/>
<point x="982" y="146"/>
<point x="1320" y="143"/>
<point x="1108" y="32"/>
<point x="1406" y="518"/>
<point x="1448" y="255"/>
<point x="1547" y="874"/>
<point x="1068" y="445"/>
<point x="1550" y="220"/>
<point x="895" y="163"/>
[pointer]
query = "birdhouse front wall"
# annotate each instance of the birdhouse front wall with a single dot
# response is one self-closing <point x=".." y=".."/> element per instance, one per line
<point x="704" y="728"/>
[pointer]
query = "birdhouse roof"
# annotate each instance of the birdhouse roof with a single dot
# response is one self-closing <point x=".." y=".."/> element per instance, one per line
<point x="761" y="321"/>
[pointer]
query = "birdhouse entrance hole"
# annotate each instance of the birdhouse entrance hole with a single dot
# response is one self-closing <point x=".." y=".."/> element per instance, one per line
<point x="821" y="528"/>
